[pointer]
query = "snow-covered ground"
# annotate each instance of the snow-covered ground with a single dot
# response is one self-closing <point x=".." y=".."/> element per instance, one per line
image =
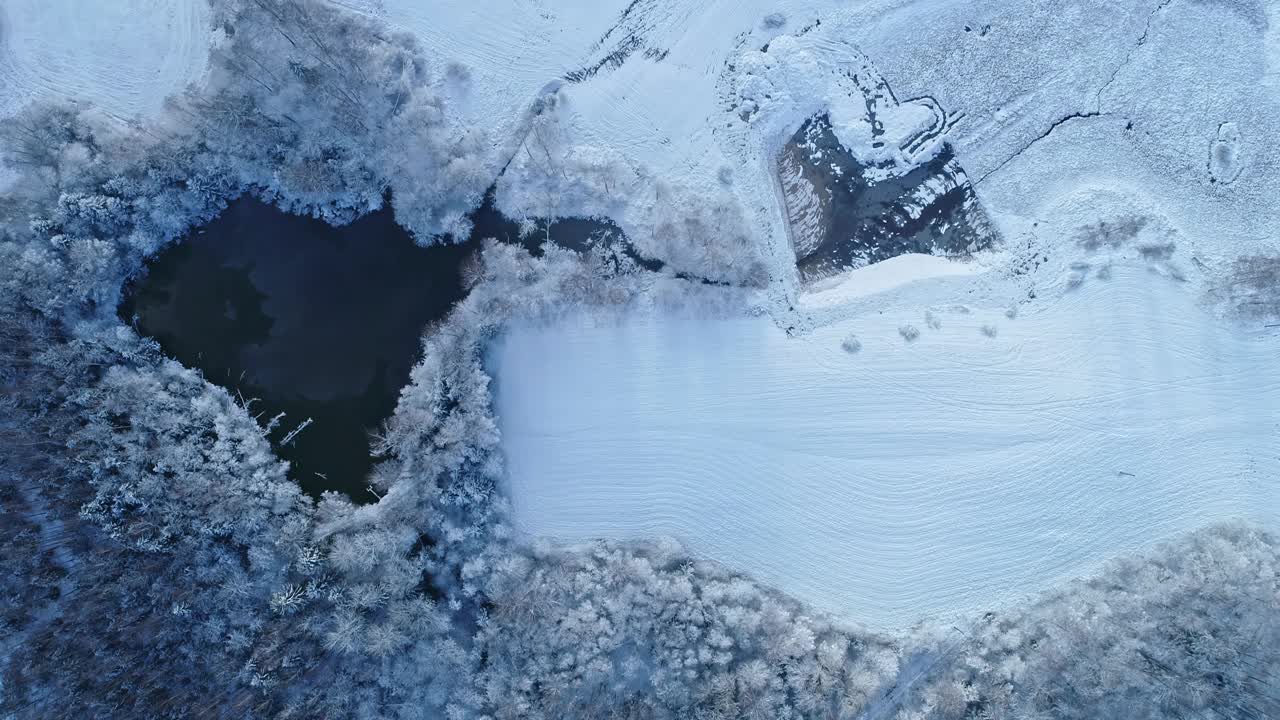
<point x="1131" y="98"/>
<point x="1271" y="48"/>
<point x="124" y="56"/>
<point x="909" y="478"/>
<point x="655" y="110"/>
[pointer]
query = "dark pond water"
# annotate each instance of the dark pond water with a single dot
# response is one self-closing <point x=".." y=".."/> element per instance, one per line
<point x="320" y="323"/>
<point x="846" y="216"/>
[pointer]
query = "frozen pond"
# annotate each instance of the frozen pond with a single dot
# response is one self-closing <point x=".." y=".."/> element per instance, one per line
<point x="318" y="322"/>
<point x="315" y="321"/>
<point x="930" y="477"/>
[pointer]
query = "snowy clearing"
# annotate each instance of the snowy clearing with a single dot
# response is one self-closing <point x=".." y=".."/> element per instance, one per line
<point x="125" y="56"/>
<point x="911" y="479"/>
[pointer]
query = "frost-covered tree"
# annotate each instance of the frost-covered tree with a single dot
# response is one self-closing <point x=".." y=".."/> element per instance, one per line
<point x="1189" y="630"/>
<point x="697" y="232"/>
<point x="346" y="112"/>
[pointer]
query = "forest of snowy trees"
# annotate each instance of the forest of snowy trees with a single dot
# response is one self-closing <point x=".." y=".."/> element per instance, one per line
<point x="160" y="563"/>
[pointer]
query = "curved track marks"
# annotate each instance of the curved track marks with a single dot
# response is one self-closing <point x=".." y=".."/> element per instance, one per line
<point x="125" y="56"/>
<point x="935" y="477"/>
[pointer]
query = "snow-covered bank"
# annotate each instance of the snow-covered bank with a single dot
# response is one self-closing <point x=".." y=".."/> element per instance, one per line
<point x="909" y="479"/>
<point x="883" y="276"/>
<point x="124" y="56"/>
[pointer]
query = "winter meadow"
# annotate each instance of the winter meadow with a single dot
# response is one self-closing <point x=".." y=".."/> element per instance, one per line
<point x="654" y="359"/>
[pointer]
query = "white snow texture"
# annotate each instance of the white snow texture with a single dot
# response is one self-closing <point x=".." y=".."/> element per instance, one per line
<point x="124" y="56"/>
<point x="951" y="473"/>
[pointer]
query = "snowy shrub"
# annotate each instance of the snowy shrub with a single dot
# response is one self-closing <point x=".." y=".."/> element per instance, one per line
<point x="550" y="176"/>
<point x="989" y="330"/>
<point x="1249" y="289"/>
<point x="696" y="235"/>
<point x="909" y="332"/>
<point x="702" y="237"/>
<point x="1154" y="252"/>
<point x="1110" y="234"/>
<point x="851" y="344"/>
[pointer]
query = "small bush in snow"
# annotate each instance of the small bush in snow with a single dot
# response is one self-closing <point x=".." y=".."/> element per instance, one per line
<point x="1156" y="251"/>
<point x="851" y="344"/>
<point x="457" y="72"/>
<point x="1110" y="234"/>
<point x="989" y="330"/>
<point x="909" y="332"/>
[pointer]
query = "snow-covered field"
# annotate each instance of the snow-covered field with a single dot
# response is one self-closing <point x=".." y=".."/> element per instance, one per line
<point x="1088" y="402"/>
<point x="910" y="478"/>
<point x="654" y="110"/>
<point x="1132" y="96"/>
<point x="124" y="56"/>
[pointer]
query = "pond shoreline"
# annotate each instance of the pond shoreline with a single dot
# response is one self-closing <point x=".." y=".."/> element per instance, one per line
<point x="317" y="326"/>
